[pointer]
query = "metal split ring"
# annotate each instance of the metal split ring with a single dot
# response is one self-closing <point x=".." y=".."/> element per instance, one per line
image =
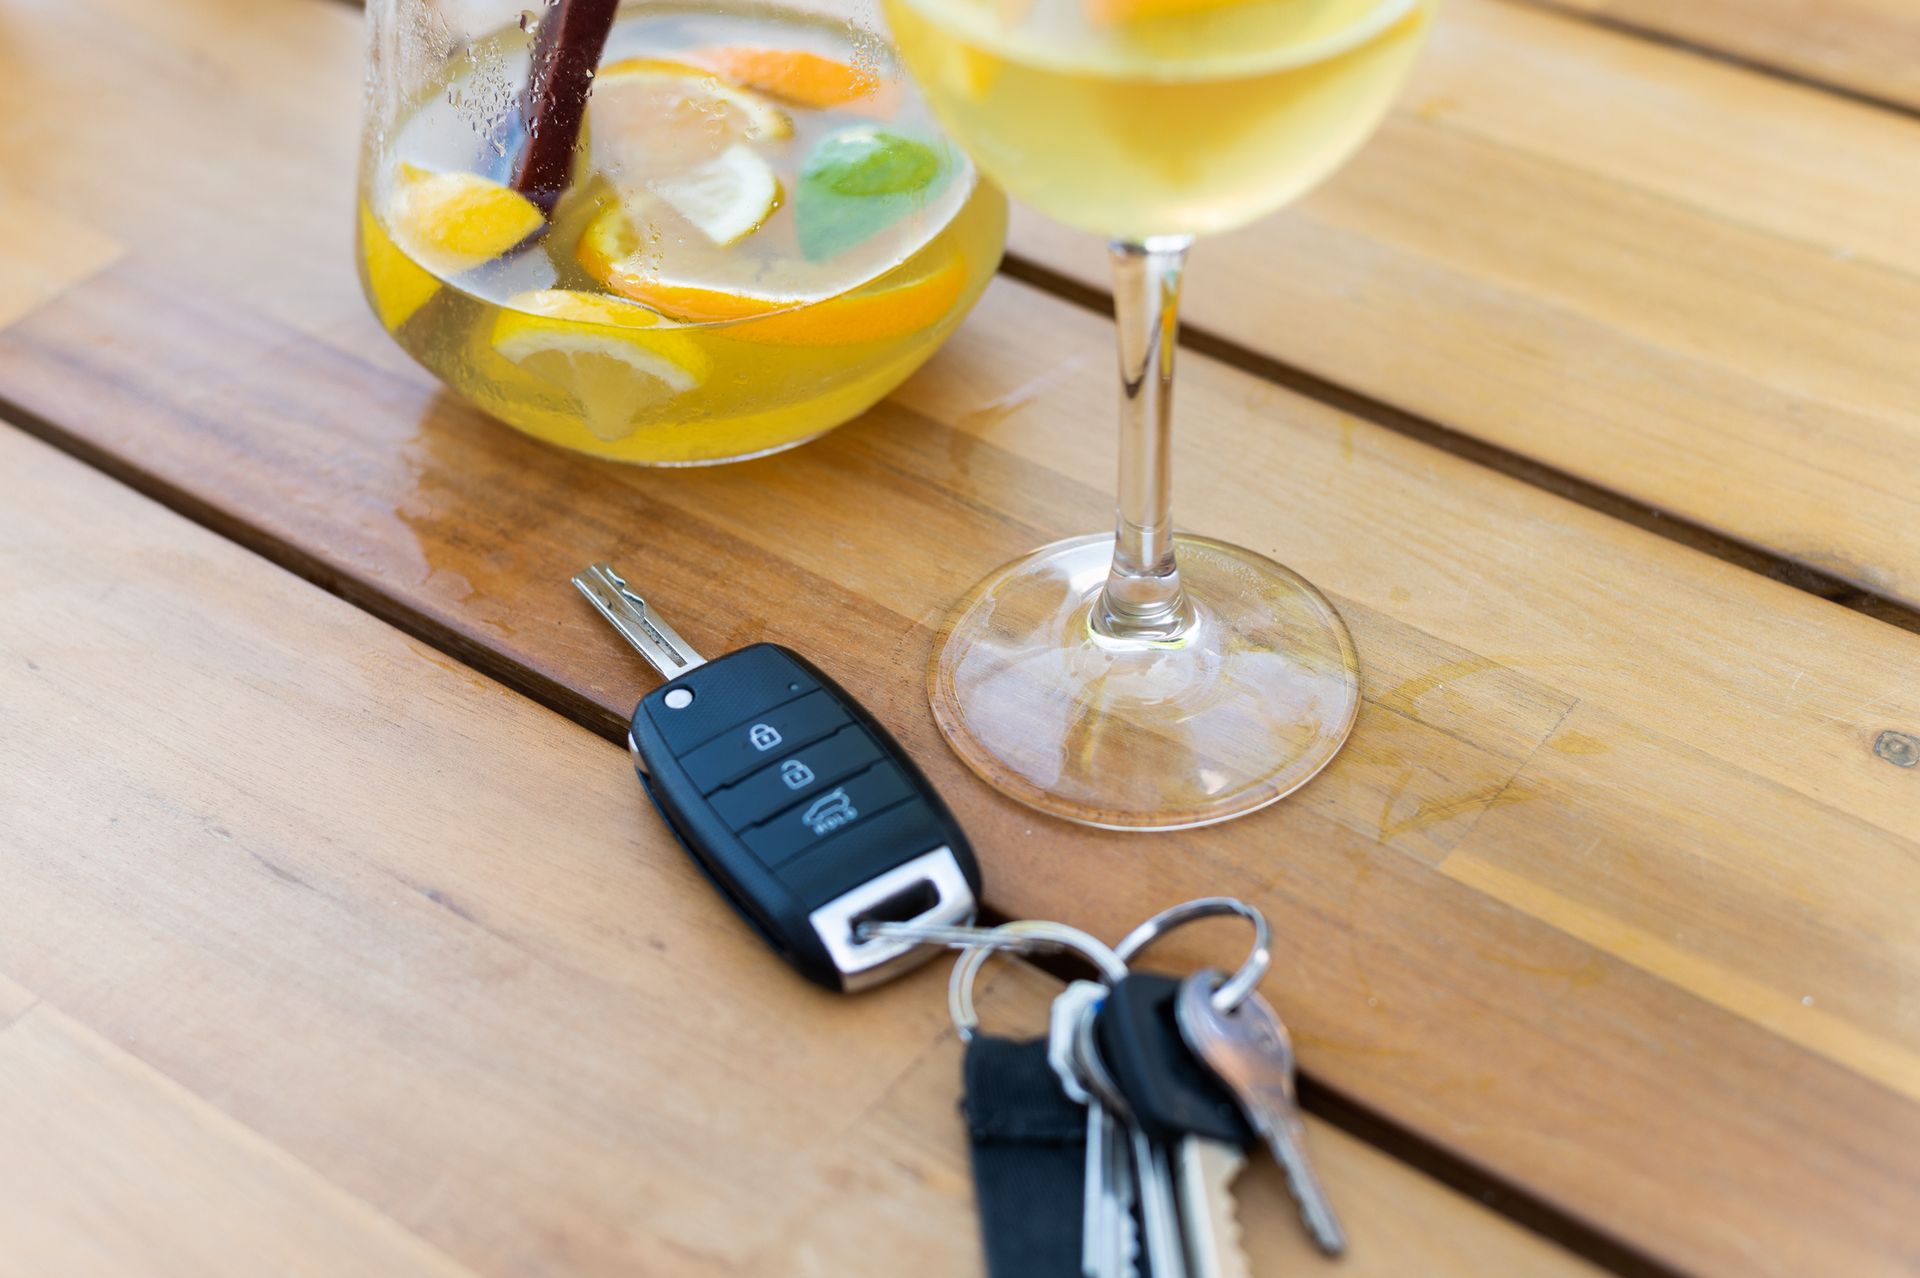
<point x="1234" y="990"/>
<point x="1025" y="934"/>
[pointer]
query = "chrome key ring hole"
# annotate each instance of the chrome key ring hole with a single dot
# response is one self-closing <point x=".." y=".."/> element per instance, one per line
<point x="1235" y="989"/>
<point x="1018" y="936"/>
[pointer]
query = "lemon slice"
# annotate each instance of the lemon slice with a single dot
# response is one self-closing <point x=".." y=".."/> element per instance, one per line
<point x="652" y="118"/>
<point x="727" y="198"/>
<point x="450" y="222"/>
<point x="611" y="357"/>
<point x="396" y="284"/>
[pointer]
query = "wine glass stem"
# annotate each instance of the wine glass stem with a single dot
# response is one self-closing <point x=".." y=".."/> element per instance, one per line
<point x="1142" y="599"/>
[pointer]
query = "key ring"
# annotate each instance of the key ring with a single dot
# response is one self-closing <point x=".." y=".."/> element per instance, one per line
<point x="1235" y="989"/>
<point x="1022" y="934"/>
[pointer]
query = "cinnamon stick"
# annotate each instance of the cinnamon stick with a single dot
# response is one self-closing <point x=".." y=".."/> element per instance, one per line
<point x="566" y="52"/>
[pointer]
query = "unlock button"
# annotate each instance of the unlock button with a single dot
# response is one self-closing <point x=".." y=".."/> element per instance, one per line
<point x="766" y="739"/>
<point x="794" y="776"/>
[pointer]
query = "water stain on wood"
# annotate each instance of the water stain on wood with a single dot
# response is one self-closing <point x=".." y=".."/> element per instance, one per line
<point x="1401" y="697"/>
<point x="1433" y="811"/>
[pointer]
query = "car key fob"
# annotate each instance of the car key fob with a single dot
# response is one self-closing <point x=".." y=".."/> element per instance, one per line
<point x="805" y="812"/>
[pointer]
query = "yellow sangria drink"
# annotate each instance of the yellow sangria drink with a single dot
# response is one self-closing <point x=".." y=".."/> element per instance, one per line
<point x="764" y="232"/>
<point x="1141" y="118"/>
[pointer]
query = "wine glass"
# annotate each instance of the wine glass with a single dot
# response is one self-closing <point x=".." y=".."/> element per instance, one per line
<point x="1147" y="679"/>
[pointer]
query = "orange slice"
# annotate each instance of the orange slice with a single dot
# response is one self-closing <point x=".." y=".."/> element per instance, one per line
<point x="792" y="75"/>
<point x="910" y="298"/>
<point x="869" y="314"/>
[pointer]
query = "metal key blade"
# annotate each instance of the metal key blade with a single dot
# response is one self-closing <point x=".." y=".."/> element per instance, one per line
<point x="638" y="624"/>
<point x="1206" y="1170"/>
<point x="1120" y="1179"/>
<point x="1098" y="1244"/>
<point x="1159" y="1210"/>
<point x="1248" y="1048"/>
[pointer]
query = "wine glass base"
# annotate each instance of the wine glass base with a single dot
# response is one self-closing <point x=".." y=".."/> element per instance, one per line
<point x="1241" y="711"/>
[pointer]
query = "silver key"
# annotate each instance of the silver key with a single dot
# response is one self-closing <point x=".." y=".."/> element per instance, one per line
<point x="1249" y="1050"/>
<point x="1106" y="1227"/>
<point x="638" y="624"/>
<point x="1159" y="1209"/>
<point x="1204" y="1171"/>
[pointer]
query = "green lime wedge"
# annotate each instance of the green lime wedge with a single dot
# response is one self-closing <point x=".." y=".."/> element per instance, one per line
<point x="859" y="181"/>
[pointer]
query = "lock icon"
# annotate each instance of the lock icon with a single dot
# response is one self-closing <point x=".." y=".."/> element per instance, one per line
<point x="795" y="774"/>
<point x="763" y="737"/>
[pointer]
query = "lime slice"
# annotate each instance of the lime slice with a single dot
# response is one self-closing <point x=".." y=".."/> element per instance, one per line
<point x="609" y="356"/>
<point x="858" y="182"/>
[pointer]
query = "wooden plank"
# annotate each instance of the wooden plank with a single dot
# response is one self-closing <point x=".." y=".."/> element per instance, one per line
<point x="1507" y="1024"/>
<point x="42" y="252"/>
<point x="15" y="1001"/>
<point x="391" y="973"/>
<point x="129" y="1173"/>
<point x="1868" y="47"/>
<point x="1679" y="280"/>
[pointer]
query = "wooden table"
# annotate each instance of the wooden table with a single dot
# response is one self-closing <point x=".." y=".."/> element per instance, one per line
<point x="336" y="938"/>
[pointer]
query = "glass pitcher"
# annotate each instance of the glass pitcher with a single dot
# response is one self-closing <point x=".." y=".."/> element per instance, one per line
<point x="671" y="233"/>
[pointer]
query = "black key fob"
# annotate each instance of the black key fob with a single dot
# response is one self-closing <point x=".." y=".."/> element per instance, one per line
<point x="804" y="812"/>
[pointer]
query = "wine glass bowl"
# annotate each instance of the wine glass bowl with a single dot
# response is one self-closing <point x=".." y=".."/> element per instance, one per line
<point x="1143" y="679"/>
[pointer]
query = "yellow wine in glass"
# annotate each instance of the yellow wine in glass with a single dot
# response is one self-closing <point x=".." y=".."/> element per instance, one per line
<point x="1138" y="118"/>
<point x="1148" y="680"/>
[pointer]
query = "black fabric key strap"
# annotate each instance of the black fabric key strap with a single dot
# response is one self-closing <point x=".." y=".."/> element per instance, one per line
<point x="1029" y="1159"/>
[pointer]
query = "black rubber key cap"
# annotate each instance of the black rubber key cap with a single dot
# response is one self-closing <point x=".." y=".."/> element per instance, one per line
<point x="1172" y="1093"/>
<point x="768" y="735"/>
<point x="795" y="776"/>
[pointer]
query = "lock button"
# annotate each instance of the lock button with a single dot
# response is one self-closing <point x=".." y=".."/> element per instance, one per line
<point x="797" y="775"/>
<point x="765" y="739"/>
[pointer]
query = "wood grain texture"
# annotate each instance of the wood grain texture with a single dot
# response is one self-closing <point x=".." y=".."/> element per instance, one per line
<point x="1868" y="47"/>
<point x="1516" y="906"/>
<point x="114" y="1169"/>
<point x="1682" y="281"/>
<point x="388" y="972"/>
<point x="42" y="252"/>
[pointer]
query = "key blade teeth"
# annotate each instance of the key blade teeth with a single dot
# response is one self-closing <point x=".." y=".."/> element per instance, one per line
<point x="1316" y="1211"/>
<point x="638" y="624"/>
<point x="1213" y="1169"/>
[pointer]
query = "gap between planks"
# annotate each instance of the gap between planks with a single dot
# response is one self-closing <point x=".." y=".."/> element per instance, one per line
<point x="1492" y="1191"/>
<point x="1667" y="39"/>
<point x="1446" y="439"/>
